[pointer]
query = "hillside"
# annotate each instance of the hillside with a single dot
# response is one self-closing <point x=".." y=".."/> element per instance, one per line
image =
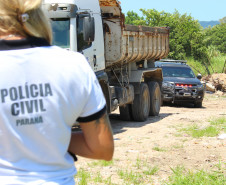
<point x="206" y="24"/>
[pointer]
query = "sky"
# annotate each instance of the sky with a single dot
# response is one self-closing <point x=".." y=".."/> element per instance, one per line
<point x="202" y="10"/>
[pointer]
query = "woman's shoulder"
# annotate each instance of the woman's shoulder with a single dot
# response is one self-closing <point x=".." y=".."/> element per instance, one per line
<point x="66" y="59"/>
<point x="64" y="56"/>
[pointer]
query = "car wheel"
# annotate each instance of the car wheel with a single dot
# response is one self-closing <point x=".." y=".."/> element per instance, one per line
<point x="198" y="104"/>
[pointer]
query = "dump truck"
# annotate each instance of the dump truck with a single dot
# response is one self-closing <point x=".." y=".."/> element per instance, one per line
<point x="122" y="56"/>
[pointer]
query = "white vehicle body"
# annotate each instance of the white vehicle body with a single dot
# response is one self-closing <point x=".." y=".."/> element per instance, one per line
<point x="97" y="48"/>
<point x="121" y="55"/>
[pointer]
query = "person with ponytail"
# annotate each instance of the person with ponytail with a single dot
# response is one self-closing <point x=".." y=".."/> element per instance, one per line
<point x="44" y="90"/>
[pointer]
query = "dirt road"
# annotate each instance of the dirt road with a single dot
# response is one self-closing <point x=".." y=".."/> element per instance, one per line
<point x="159" y="142"/>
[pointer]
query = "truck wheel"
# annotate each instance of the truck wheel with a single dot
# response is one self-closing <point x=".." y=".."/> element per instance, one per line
<point x="125" y="112"/>
<point x="105" y="88"/>
<point x="141" y="104"/>
<point x="155" y="98"/>
<point x="198" y="104"/>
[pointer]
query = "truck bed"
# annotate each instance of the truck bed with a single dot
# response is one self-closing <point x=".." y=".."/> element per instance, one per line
<point x="129" y="43"/>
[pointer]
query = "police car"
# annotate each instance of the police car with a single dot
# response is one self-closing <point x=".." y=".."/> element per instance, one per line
<point x="180" y="83"/>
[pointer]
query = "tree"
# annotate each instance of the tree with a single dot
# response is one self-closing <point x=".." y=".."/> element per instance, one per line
<point x="223" y="20"/>
<point x="216" y="36"/>
<point x="182" y="29"/>
<point x="132" y="17"/>
<point x="153" y="18"/>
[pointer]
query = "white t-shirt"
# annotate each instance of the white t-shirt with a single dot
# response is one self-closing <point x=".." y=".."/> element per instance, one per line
<point x="43" y="91"/>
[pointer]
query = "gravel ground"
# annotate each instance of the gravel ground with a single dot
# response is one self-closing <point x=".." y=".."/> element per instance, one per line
<point x="159" y="143"/>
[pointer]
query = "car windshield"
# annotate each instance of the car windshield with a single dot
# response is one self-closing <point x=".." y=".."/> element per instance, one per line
<point x="182" y="72"/>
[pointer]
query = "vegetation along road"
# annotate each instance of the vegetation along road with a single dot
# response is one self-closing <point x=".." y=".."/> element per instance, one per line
<point x="180" y="146"/>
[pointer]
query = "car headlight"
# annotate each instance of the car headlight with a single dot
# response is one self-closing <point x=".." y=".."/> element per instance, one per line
<point x="168" y="85"/>
<point x="200" y="86"/>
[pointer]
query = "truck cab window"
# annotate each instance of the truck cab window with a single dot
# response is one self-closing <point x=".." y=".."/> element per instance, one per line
<point x="82" y="44"/>
<point x="61" y="32"/>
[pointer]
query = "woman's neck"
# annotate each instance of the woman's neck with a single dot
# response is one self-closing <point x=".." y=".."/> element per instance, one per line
<point x="11" y="37"/>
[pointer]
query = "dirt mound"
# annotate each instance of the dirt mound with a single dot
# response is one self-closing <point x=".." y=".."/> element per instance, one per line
<point x="215" y="82"/>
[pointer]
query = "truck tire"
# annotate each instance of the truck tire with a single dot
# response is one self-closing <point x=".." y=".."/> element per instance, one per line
<point x="155" y="98"/>
<point x="105" y="88"/>
<point x="141" y="104"/>
<point x="125" y="112"/>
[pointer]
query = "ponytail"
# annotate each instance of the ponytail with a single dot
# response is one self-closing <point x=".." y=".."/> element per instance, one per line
<point x="25" y="18"/>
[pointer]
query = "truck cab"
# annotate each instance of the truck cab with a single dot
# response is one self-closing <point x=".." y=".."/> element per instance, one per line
<point x="77" y="26"/>
<point x="122" y="56"/>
